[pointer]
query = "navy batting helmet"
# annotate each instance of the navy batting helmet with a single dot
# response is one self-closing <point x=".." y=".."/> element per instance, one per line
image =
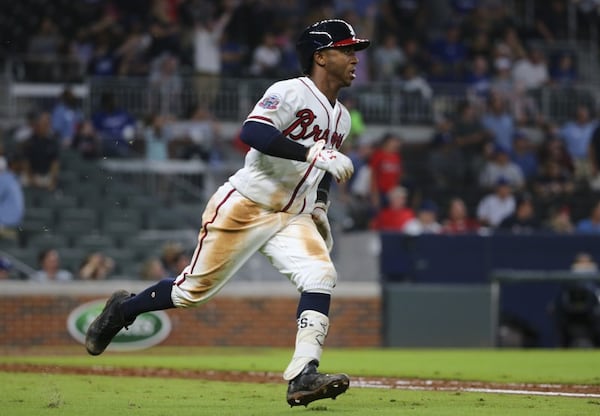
<point x="332" y="33"/>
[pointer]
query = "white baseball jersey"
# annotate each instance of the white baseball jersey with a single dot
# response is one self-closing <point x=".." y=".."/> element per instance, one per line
<point x="297" y="108"/>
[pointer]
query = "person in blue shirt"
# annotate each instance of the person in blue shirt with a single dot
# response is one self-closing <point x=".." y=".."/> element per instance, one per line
<point x="12" y="202"/>
<point x="66" y="117"/>
<point x="116" y="127"/>
<point x="591" y="224"/>
<point x="499" y="122"/>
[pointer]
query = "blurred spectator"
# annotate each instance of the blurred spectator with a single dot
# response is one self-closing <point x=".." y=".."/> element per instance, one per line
<point x="388" y="58"/>
<point x="66" y="117"/>
<point x="563" y="71"/>
<point x="165" y="85"/>
<point x="46" y="41"/>
<point x="591" y="224"/>
<point x="415" y="53"/>
<point x="531" y="71"/>
<point x="518" y="104"/>
<point x="286" y="42"/>
<point x="594" y="159"/>
<point x="411" y="82"/>
<point x="266" y="58"/>
<point x="584" y="263"/>
<point x="404" y="17"/>
<point x="208" y="32"/>
<point x="479" y="44"/>
<point x="523" y="220"/>
<point x="502" y="82"/>
<point x="41" y="156"/>
<point x="96" y="266"/>
<point x="445" y="161"/>
<point x="450" y="51"/>
<point x="478" y="79"/>
<point x="87" y="142"/>
<point x="5" y="268"/>
<point x="103" y="62"/>
<point x="559" y="220"/>
<point x="499" y="123"/>
<point x="577" y="135"/>
<point x="164" y="29"/>
<point x="553" y="149"/>
<point x="356" y="193"/>
<point x="510" y="44"/>
<point x="524" y="155"/>
<point x="24" y="130"/>
<point x="198" y="137"/>
<point x="174" y="258"/>
<point x="43" y="51"/>
<point x="152" y="269"/>
<point x="386" y="168"/>
<point x="49" y="268"/>
<point x="116" y="127"/>
<point x="12" y="201"/>
<point x="233" y="55"/>
<point x="500" y="166"/>
<point x="551" y="20"/>
<point x="396" y="214"/>
<point x="357" y="126"/>
<point x="155" y="140"/>
<point x="472" y="139"/>
<point x="132" y="52"/>
<point x="496" y="206"/>
<point x="458" y="220"/>
<point x="426" y="220"/>
<point x="553" y="181"/>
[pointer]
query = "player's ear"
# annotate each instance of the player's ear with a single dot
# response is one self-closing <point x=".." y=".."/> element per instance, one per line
<point x="319" y="58"/>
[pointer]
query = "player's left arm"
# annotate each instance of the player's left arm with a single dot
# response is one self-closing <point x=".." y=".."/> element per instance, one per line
<point x="269" y="140"/>
<point x="319" y="213"/>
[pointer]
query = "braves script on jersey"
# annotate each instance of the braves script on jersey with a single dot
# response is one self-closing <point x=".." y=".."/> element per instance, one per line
<point x="298" y="109"/>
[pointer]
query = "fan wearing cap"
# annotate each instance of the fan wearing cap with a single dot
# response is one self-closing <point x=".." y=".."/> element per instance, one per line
<point x="276" y="204"/>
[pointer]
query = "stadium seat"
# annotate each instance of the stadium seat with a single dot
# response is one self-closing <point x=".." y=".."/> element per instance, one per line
<point x="94" y="242"/>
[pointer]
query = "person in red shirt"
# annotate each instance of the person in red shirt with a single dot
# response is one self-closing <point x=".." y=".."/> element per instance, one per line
<point x="396" y="214"/>
<point x="386" y="169"/>
<point x="458" y="221"/>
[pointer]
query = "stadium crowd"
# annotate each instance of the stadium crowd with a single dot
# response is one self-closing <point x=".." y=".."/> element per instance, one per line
<point x="481" y="171"/>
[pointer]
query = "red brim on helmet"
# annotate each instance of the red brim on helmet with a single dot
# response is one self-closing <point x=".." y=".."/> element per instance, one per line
<point x="359" y="44"/>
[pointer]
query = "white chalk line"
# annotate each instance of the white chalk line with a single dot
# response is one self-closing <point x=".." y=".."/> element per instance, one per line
<point x="429" y="385"/>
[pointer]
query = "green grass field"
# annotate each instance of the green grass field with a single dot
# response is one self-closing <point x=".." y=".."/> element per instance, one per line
<point x="48" y="393"/>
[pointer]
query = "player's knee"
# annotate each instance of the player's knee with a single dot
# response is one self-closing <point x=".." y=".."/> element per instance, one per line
<point x="317" y="279"/>
<point x="188" y="299"/>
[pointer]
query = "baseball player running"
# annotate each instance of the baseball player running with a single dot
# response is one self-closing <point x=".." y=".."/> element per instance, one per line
<point x="275" y="204"/>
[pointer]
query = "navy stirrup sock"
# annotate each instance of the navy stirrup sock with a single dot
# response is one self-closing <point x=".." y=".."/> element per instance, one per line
<point x="314" y="302"/>
<point x="154" y="298"/>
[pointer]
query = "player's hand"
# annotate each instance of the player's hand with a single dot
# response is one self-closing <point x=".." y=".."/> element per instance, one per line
<point x="319" y="216"/>
<point x="334" y="162"/>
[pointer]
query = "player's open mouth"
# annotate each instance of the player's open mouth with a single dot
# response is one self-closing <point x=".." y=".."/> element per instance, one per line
<point x="352" y="73"/>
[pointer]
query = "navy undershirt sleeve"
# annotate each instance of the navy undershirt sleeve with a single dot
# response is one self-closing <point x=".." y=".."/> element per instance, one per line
<point x="268" y="140"/>
<point x="323" y="188"/>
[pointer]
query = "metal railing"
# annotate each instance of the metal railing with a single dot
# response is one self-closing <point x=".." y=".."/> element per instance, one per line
<point x="379" y="103"/>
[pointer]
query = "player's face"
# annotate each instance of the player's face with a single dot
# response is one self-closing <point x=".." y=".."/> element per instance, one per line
<point x="341" y="63"/>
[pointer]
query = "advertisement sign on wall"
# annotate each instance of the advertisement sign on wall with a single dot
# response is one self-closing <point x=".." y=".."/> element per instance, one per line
<point x="149" y="329"/>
